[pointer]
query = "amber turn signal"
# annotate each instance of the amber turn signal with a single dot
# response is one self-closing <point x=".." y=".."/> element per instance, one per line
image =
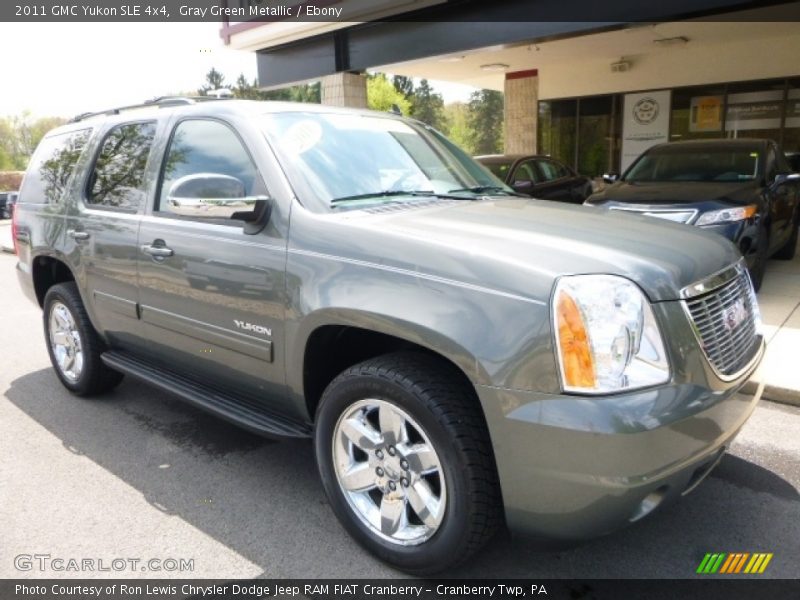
<point x="576" y="356"/>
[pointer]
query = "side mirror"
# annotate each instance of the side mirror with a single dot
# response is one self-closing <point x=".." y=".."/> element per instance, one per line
<point x="610" y="177"/>
<point x="782" y="178"/>
<point x="524" y="186"/>
<point x="216" y="196"/>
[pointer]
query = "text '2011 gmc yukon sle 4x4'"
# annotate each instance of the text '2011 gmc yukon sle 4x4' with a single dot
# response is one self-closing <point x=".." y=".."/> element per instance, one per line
<point x="462" y="357"/>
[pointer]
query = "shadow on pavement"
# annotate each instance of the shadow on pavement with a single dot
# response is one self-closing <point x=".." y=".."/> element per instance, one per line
<point x="264" y="501"/>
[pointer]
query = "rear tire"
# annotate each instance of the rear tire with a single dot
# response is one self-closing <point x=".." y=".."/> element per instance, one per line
<point x="73" y="344"/>
<point x="444" y="457"/>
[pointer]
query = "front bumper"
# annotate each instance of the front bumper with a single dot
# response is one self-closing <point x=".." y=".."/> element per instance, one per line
<point x="573" y="467"/>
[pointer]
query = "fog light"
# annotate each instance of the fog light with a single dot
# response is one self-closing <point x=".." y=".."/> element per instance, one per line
<point x="649" y="504"/>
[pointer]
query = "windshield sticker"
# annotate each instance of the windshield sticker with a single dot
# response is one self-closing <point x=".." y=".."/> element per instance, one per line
<point x="301" y="136"/>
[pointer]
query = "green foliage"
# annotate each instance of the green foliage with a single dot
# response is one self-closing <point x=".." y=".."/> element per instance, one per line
<point x="485" y="121"/>
<point x="298" y="93"/>
<point x="382" y="95"/>
<point x="428" y="106"/>
<point x="19" y="136"/>
<point x="404" y="85"/>
<point x="214" y="81"/>
<point x="456" y="127"/>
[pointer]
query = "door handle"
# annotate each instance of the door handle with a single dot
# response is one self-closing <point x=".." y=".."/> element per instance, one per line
<point x="78" y="235"/>
<point x="157" y="250"/>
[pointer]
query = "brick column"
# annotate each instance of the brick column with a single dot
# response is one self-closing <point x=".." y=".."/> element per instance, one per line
<point x="345" y="89"/>
<point x="521" y="111"/>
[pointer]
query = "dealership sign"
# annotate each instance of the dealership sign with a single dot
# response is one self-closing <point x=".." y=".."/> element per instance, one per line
<point x="646" y="123"/>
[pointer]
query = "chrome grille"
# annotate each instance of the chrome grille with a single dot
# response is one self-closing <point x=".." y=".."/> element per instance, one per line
<point x="726" y="321"/>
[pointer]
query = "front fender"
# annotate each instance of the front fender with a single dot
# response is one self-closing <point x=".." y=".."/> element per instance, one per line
<point x="496" y="339"/>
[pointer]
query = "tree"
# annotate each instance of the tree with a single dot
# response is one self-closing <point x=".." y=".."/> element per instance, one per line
<point x="404" y="85"/>
<point x="428" y="106"/>
<point x="456" y="127"/>
<point x="485" y="120"/>
<point x="214" y="81"/>
<point x="382" y="95"/>
<point x="309" y="92"/>
<point x="245" y="90"/>
<point x="19" y="137"/>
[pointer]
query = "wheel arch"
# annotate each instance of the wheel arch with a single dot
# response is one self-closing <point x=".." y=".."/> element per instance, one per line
<point x="333" y="341"/>
<point x="47" y="271"/>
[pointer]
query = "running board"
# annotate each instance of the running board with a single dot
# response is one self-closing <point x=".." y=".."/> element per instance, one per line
<point x="237" y="410"/>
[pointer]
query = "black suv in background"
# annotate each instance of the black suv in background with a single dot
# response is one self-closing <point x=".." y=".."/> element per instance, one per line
<point x="742" y="189"/>
<point x="7" y="201"/>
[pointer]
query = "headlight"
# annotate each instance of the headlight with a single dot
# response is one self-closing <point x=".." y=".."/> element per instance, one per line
<point x="606" y="335"/>
<point x="727" y="215"/>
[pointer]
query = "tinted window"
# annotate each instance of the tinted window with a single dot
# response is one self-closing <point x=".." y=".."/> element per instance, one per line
<point x="551" y="170"/>
<point x="696" y="164"/>
<point x="52" y="165"/>
<point x="500" y="170"/>
<point x="117" y="179"/>
<point x="209" y="172"/>
<point x="526" y="171"/>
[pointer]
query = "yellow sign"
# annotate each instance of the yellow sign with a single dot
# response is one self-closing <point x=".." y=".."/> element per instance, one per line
<point x="705" y="114"/>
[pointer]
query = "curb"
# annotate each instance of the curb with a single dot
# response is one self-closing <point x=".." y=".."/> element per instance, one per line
<point x="774" y="393"/>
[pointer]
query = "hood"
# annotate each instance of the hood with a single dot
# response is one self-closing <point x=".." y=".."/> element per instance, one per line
<point x="678" y="192"/>
<point x="520" y="246"/>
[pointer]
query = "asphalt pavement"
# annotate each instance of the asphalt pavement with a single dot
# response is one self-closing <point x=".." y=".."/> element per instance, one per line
<point x="139" y="475"/>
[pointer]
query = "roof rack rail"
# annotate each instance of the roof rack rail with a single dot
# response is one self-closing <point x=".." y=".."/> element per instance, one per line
<point x="160" y="102"/>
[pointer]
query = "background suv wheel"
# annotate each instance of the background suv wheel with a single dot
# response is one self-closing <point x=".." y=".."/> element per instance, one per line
<point x="404" y="455"/>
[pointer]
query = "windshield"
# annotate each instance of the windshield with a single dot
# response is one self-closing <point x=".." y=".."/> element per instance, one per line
<point x="338" y="160"/>
<point x="690" y="164"/>
<point x="498" y="169"/>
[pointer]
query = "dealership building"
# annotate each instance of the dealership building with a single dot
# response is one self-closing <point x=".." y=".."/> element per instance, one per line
<point x="591" y="93"/>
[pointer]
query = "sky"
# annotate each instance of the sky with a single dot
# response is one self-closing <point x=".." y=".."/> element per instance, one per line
<point x="60" y="69"/>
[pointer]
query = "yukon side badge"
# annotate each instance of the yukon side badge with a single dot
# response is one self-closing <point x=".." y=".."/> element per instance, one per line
<point x="254" y="328"/>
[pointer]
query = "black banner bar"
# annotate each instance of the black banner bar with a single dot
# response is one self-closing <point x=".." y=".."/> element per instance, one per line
<point x="346" y="11"/>
<point x="707" y="588"/>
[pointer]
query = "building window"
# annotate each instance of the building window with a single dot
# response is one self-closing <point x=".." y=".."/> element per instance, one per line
<point x="791" y="131"/>
<point x="557" y="129"/>
<point x="755" y="110"/>
<point x="597" y="136"/>
<point x="697" y="113"/>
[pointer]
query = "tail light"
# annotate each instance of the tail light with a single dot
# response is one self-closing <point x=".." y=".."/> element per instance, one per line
<point x="14" y="228"/>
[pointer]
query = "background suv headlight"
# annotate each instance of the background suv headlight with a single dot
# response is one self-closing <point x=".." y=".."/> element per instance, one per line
<point x="727" y="215"/>
<point x="607" y="338"/>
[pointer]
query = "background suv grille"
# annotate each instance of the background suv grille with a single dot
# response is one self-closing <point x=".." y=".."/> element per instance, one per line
<point x="726" y="323"/>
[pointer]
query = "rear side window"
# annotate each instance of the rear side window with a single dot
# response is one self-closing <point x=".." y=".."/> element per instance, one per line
<point x="551" y="170"/>
<point x="208" y="173"/>
<point x="117" y="179"/>
<point x="527" y="172"/>
<point x="51" y="167"/>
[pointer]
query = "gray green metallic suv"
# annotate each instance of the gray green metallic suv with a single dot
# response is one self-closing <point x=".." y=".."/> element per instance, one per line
<point x="462" y="357"/>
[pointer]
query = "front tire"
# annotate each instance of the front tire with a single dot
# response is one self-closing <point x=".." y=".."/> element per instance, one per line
<point x="789" y="249"/>
<point x="405" y="458"/>
<point x="759" y="267"/>
<point x="73" y="344"/>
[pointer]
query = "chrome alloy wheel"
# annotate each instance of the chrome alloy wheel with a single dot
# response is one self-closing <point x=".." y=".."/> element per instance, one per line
<point x="389" y="472"/>
<point x="65" y="341"/>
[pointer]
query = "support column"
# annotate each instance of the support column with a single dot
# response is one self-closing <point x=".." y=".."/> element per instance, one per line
<point x="345" y="89"/>
<point x="521" y="111"/>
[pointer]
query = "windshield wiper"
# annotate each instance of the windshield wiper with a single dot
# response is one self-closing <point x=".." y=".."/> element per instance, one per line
<point x="486" y="189"/>
<point x="384" y="194"/>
